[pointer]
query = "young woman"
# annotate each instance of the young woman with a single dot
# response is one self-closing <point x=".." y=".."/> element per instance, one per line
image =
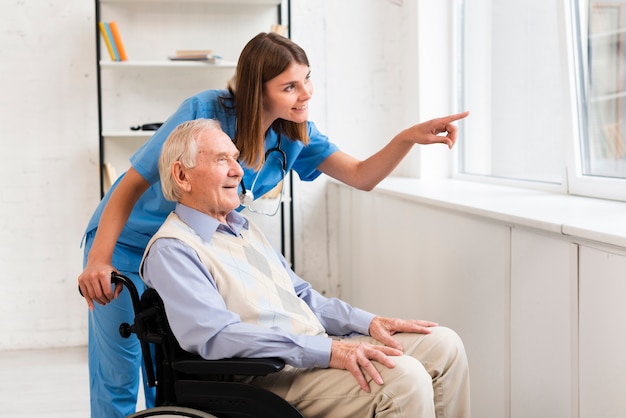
<point x="265" y="112"/>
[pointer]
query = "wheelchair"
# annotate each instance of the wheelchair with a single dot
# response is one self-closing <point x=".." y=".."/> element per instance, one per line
<point x="188" y="385"/>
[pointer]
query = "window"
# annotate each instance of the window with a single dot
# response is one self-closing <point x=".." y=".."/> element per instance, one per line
<point x="545" y="81"/>
<point x="602" y="92"/>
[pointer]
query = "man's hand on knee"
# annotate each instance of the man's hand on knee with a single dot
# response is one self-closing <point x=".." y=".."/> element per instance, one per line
<point x="357" y="359"/>
<point x="382" y="329"/>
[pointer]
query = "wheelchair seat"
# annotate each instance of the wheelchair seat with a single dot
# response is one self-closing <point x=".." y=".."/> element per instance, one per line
<point x="186" y="380"/>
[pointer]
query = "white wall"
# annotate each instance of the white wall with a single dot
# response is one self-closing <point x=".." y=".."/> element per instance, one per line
<point x="365" y="74"/>
<point x="367" y="57"/>
<point x="48" y="174"/>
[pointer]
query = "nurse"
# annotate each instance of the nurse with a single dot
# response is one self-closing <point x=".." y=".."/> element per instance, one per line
<point x="265" y="111"/>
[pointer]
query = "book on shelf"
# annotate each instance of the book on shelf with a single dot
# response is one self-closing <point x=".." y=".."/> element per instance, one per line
<point x="113" y="41"/>
<point x="117" y="38"/>
<point x="107" y="40"/>
<point x="107" y="28"/>
<point x="109" y="175"/>
<point x="206" y="55"/>
<point x="279" y="29"/>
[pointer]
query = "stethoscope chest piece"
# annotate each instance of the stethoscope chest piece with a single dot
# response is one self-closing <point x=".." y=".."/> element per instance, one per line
<point x="246" y="197"/>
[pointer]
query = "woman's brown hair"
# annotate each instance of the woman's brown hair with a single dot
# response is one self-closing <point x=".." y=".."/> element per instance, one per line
<point x="264" y="57"/>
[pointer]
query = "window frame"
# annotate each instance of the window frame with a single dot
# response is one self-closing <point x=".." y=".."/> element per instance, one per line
<point x="572" y="21"/>
<point x="575" y="22"/>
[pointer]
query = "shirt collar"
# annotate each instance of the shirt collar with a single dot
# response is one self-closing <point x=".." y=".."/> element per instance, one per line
<point x="206" y="225"/>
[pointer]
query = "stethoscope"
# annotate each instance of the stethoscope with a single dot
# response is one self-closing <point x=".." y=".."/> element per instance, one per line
<point x="246" y="197"/>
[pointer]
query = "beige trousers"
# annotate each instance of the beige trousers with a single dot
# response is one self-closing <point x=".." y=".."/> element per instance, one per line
<point x="430" y="380"/>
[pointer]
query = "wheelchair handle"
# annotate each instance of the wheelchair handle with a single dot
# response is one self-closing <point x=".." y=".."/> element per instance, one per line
<point x="126" y="282"/>
<point x="132" y="289"/>
<point x="126" y="329"/>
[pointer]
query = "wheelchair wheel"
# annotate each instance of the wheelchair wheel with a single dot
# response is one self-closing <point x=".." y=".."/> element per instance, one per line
<point x="171" y="411"/>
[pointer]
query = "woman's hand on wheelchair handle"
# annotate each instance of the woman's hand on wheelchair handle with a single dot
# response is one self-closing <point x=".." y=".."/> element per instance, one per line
<point x="94" y="284"/>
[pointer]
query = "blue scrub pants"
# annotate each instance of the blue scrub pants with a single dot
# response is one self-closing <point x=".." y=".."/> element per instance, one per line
<point x="115" y="362"/>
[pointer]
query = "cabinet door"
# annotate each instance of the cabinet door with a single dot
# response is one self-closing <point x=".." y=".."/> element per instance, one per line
<point x="543" y="326"/>
<point x="602" y="334"/>
<point x="416" y="261"/>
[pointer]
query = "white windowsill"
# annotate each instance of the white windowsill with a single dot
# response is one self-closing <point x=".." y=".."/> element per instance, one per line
<point x="584" y="218"/>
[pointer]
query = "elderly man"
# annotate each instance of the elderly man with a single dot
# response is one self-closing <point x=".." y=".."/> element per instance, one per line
<point x="228" y="293"/>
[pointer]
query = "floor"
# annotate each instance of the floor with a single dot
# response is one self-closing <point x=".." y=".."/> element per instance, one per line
<point x="51" y="383"/>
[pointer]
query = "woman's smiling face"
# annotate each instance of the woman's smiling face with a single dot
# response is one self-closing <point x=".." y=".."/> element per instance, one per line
<point x="287" y="95"/>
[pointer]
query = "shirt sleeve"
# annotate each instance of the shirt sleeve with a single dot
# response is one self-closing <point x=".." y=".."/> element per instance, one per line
<point x="311" y="156"/>
<point x="202" y="323"/>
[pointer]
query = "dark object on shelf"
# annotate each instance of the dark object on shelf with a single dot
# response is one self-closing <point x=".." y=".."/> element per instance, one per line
<point x="147" y="127"/>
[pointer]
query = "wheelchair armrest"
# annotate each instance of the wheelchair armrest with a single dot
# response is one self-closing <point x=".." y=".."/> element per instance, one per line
<point x="196" y="365"/>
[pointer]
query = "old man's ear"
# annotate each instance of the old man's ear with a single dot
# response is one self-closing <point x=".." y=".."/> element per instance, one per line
<point x="179" y="174"/>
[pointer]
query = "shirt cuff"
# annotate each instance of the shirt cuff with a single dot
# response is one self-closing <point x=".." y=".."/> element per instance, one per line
<point x="317" y="352"/>
<point x="361" y="320"/>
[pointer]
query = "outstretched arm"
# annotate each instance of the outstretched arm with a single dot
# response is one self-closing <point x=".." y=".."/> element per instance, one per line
<point x="366" y="174"/>
<point x="95" y="280"/>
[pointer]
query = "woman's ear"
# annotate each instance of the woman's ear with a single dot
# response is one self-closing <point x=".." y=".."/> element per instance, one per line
<point x="179" y="174"/>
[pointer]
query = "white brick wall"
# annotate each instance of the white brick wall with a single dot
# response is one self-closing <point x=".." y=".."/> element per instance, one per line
<point x="49" y="155"/>
<point x="48" y="174"/>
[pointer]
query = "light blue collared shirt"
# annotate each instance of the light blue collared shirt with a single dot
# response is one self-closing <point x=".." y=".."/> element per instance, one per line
<point x="201" y="322"/>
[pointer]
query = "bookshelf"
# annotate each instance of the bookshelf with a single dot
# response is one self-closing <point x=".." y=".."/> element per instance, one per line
<point x="148" y="86"/>
<point x="166" y="64"/>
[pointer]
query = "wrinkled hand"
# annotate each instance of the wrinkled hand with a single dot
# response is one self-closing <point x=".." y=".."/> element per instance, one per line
<point x="357" y="359"/>
<point x="382" y="329"/>
<point x="429" y="132"/>
<point x="95" y="284"/>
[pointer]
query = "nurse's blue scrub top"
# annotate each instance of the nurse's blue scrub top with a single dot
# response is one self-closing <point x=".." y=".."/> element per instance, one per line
<point x="152" y="208"/>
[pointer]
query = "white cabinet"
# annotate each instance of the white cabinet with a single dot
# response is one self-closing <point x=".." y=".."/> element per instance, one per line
<point x="541" y="313"/>
<point x="602" y="373"/>
<point x="148" y="87"/>
<point x="543" y="325"/>
<point x="401" y="259"/>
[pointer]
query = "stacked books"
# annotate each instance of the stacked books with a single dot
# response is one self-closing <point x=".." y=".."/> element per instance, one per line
<point x="205" y="55"/>
<point x="111" y="35"/>
<point x="279" y="29"/>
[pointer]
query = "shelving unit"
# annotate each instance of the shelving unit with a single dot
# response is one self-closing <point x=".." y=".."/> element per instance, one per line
<point x="148" y="87"/>
<point x="167" y="64"/>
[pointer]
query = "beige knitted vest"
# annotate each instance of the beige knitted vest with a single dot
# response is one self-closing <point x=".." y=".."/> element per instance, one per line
<point x="249" y="276"/>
